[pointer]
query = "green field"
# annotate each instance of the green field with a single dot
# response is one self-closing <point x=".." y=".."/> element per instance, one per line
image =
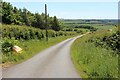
<point x="99" y="24"/>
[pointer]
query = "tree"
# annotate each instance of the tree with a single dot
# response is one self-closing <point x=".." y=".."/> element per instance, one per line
<point x="12" y="15"/>
<point x="38" y="22"/>
<point x="17" y="16"/>
<point x="25" y="17"/>
<point x="7" y="13"/>
<point x="31" y="17"/>
<point x="55" y="25"/>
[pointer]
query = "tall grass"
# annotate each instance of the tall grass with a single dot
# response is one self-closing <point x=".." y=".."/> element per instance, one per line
<point x="30" y="48"/>
<point x="92" y="61"/>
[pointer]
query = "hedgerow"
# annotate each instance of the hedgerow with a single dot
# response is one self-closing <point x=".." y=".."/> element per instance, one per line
<point x="108" y="42"/>
<point x="14" y="32"/>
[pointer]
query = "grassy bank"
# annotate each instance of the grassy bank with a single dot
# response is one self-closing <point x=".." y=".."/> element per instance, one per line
<point x="94" y="62"/>
<point x="30" y="48"/>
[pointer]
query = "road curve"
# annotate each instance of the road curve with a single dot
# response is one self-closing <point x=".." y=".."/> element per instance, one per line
<point x="53" y="62"/>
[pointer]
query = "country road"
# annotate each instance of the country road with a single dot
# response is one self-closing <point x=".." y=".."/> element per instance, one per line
<point x="53" y="62"/>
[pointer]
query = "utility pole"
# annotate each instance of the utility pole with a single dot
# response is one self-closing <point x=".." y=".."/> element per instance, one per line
<point x="46" y="25"/>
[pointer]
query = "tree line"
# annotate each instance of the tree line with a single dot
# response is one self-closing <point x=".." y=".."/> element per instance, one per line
<point x="86" y="27"/>
<point x="13" y="15"/>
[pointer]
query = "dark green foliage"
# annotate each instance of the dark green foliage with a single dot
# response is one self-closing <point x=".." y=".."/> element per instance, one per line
<point x="55" y="25"/>
<point x="68" y="29"/>
<point x="12" y="15"/>
<point x="17" y="18"/>
<point x="87" y="27"/>
<point x="27" y="33"/>
<point x="18" y="33"/>
<point x="112" y="41"/>
<point x="38" y="22"/>
<point x="108" y="42"/>
<point x="25" y="17"/>
<point x="7" y="44"/>
<point x="32" y="34"/>
<point x="75" y="29"/>
<point x="7" y="13"/>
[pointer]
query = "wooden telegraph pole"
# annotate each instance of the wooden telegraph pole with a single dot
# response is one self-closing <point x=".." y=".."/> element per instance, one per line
<point x="46" y="26"/>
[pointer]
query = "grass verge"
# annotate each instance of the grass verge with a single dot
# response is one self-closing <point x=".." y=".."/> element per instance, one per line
<point x="30" y="48"/>
<point x="94" y="62"/>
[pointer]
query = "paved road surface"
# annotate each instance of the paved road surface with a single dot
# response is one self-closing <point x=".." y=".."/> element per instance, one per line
<point x="54" y="62"/>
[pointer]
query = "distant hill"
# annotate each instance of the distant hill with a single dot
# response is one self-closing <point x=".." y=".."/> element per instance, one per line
<point x="90" y="21"/>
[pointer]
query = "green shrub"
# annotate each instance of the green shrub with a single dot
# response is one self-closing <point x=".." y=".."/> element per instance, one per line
<point x="108" y="42"/>
<point x="32" y="34"/>
<point x="60" y="33"/>
<point x="27" y="33"/>
<point x="75" y="29"/>
<point x="51" y="33"/>
<point x="69" y="29"/>
<point x="7" y="44"/>
<point x="18" y="32"/>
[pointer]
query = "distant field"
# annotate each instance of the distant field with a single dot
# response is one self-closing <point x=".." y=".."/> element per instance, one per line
<point x="103" y="26"/>
<point x="100" y="24"/>
<point x="90" y="21"/>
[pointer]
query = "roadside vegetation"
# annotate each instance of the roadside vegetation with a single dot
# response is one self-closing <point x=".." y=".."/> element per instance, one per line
<point x="27" y="33"/>
<point x="96" y="54"/>
<point x="29" y="48"/>
<point x="31" y="40"/>
<point x="25" y="29"/>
